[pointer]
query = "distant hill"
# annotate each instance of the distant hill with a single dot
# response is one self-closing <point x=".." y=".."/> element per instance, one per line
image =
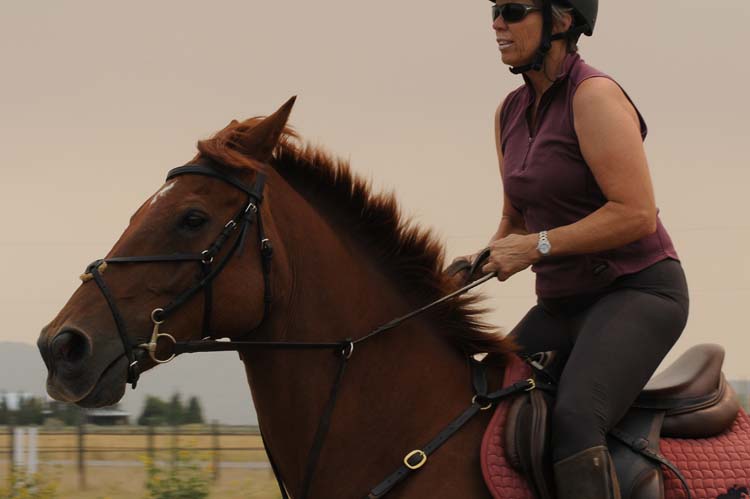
<point x="217" y="379"/>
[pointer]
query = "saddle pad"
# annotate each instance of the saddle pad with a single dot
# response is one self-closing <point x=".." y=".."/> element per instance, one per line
<point x="711" y="466"/>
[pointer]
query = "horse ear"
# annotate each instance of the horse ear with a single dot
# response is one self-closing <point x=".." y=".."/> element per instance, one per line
<point x="263" y="138"/>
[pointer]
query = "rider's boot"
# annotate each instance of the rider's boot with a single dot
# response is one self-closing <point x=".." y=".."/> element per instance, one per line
<point x="589" y="474"/>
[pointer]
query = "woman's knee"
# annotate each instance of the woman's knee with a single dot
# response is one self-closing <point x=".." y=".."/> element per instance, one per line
<point x="575" y="427"/>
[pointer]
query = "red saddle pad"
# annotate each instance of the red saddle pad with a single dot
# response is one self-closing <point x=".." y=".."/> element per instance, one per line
<point x="711" y="466"/>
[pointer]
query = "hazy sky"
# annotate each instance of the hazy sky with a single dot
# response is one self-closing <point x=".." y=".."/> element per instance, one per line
<point x="99" y="99"/>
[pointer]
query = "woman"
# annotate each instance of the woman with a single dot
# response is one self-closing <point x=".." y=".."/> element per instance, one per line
<point x="579" y="208"/>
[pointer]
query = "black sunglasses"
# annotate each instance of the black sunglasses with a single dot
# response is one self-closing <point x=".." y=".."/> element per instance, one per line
<point x="512" y="12"/>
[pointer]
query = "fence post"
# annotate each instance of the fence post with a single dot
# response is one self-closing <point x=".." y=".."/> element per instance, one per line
<point x="175" y="445"/>
<point x="32" y="457"/>
<point x="11" y="453"/>
<point x="19" y="458"/>
<point x="81" y="453"/>
<point x="216" y="449"/>
<point x="150" y="443"/>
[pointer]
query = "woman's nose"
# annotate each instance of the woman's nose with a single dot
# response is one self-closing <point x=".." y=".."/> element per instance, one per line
<point x="499" y="24"/>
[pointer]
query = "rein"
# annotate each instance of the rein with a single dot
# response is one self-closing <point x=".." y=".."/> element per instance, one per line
<point x="249" y="214"/>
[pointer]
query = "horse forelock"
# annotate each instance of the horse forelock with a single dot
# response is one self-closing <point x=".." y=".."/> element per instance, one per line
<point x="411" y="255"/>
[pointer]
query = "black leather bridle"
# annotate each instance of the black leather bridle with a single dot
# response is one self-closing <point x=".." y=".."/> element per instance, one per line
<point x="250" y="213"/>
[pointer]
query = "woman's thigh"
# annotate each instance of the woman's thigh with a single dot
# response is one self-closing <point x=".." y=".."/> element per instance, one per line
<point x="621" y="341"/>
<point x="541" y="331"/>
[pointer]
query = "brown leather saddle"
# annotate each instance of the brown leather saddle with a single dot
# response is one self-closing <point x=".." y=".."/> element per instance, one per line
<point x="690" y="399"/>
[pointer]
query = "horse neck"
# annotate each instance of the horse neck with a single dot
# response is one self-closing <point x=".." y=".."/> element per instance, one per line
<point x="392" y="382"/>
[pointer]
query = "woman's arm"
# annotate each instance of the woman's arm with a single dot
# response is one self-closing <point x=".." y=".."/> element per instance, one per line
<point x="609" y="135"/>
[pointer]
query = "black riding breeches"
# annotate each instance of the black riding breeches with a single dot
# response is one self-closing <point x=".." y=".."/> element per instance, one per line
<point x="610" y="343"/>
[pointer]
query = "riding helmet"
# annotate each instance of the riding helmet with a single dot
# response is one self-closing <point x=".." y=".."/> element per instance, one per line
<point x="585" y="13"/>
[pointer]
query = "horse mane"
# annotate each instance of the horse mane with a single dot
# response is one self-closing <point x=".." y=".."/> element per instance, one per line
<point x="411" y="255"/>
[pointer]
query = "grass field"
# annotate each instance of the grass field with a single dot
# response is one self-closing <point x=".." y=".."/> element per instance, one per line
<point x="129" y="483"/>
<point x="115" y="461"/>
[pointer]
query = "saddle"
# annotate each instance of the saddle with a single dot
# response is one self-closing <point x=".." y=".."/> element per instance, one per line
<point x="690" y="399"/>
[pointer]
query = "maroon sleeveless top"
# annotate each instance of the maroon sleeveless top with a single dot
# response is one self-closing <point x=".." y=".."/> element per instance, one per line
<point x="548" y="181"/>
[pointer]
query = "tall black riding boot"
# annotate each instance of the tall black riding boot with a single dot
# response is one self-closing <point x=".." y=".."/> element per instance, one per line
<point x="589" y="474"/>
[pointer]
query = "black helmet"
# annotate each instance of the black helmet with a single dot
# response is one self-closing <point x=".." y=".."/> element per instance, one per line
<point x="585" y="13"/>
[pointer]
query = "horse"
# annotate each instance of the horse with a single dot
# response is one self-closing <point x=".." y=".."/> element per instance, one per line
<point x="267" y="246"/>
<point x="344" y="261"/>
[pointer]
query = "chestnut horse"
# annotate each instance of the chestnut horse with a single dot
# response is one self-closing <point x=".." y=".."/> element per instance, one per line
<point x="344" y="261"/>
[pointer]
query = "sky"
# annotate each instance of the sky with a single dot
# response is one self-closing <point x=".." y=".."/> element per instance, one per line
<point x="99" y="99"/>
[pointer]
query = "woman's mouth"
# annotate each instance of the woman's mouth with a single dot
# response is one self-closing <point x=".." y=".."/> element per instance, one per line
<point x="504" y="44"/>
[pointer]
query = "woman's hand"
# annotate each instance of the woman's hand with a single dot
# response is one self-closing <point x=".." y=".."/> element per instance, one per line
<point x="511" y="255"/>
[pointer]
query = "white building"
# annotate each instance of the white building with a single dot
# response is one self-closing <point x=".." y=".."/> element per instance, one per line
<point x="13" y="399"/>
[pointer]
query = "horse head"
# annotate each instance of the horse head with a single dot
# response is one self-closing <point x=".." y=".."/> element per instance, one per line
<point x="199" y="228"/>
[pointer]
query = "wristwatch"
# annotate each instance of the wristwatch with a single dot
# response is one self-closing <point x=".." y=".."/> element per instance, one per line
<point x="543" y="246"/>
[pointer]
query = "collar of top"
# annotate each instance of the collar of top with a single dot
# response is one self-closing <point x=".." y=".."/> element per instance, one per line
<point x="568" y="63"/>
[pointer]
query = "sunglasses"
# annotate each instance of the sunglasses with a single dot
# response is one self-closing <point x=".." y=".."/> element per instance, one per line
<point x="512" y="12"/>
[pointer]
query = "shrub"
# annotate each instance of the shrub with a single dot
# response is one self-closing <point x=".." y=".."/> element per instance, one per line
<point x="182" y="479"/>
<point x="22" y="485"/>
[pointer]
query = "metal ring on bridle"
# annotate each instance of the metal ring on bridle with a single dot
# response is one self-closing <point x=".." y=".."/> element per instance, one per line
<point x="348" y="350"/>
<point x="153" y="316"/>
<point x="206" y="254"/>
<point x="481" y="407"/>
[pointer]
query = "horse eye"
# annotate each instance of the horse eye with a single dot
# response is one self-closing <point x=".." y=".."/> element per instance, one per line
<point x="194" y="220"/>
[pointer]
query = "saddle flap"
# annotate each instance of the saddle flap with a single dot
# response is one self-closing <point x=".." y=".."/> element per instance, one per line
<point x="527" y="440"/>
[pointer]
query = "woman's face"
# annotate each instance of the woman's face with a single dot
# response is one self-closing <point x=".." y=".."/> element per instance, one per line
<point x="518" y="41"/>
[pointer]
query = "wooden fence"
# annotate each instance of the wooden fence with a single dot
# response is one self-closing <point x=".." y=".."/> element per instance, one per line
<point x="87" y="445"/>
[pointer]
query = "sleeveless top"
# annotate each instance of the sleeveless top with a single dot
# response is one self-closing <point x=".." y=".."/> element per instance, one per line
<point x="548" y="181"/>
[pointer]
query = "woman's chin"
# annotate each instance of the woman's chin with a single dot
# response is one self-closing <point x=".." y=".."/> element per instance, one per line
<point x="512" y="59"/>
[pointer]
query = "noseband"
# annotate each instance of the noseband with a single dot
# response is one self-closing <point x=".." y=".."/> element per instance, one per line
<point x="249" y="214"/>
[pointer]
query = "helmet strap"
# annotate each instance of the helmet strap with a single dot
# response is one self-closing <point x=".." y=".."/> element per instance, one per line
<point x="547" y="38"/>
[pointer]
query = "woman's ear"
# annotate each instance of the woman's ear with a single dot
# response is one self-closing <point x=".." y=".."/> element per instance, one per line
<point x="564" y="25"/>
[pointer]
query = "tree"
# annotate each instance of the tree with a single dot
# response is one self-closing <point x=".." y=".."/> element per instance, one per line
<point x="69" y="414"/>
<point x="175" y="410"/>
<point x="30" y="411"/>
<point x="154" y="412"/>
<point x="4" y="412"/>
<point x="194" y="412"/>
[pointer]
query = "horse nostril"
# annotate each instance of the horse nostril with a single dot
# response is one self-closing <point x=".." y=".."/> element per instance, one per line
<point x="70" y="346"/>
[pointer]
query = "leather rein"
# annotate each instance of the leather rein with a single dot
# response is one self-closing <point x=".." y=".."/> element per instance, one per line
<point x="248" y="215"/>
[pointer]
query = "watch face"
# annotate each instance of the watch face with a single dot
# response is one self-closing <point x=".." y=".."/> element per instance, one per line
<point x="544" y="247"/>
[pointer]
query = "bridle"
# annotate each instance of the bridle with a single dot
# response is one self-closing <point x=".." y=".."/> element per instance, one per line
<point x="209" y="270"/>
<point x="250" y="213"/>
